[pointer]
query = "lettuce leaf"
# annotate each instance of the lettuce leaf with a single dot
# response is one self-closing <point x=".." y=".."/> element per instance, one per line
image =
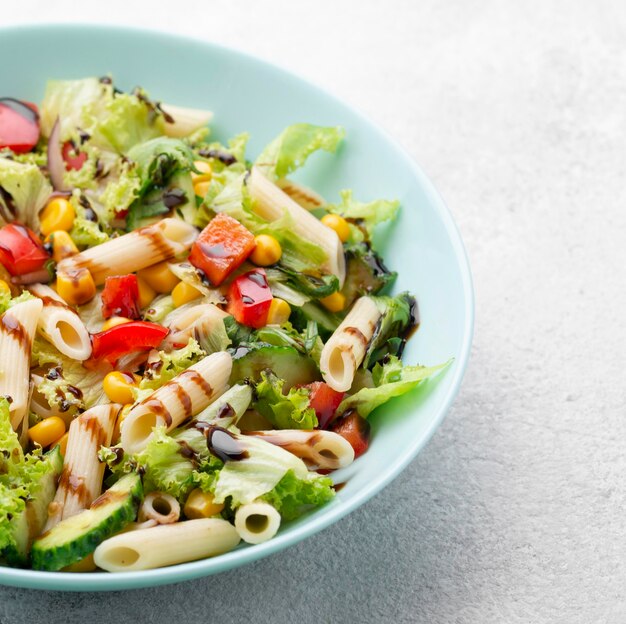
<point x="290" y="411"/>
<point x="84" y="232"/>
<point x="292" y="147"/>
<point x="391" y="379"/>
<point x="292" y="496"/>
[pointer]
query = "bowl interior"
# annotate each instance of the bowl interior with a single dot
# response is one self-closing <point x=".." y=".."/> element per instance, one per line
<point x="249" y="95"/>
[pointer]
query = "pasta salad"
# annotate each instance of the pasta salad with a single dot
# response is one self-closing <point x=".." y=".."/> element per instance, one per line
<point x="191" y="342"/>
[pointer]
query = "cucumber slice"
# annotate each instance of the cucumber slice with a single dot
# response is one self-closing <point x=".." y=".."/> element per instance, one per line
<point x="77" y="536"/>
<point x="286" y="362"/>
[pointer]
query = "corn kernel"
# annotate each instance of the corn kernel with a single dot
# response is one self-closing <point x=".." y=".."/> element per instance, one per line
<point x="146" y="293"/>
<point x="114" y="321"/>
<point x="267" y="250"/>
<point x="59" y="214"/>
<point x="338" y="224"/>
<point x="159" y="277"/>
<point x="76" y="287"/>
<point x="279" y="312"/>
<point x="47" y="431"/>
<point x="184" y="293"/>
<point x="335" y="302"/>
<point x="62" y="443"/>
<point x="87" y="564"/>
<point x="201" y="188"/>
<point x="201" y="505"/>
<point x="205" y="172"/>
<point x="119" y="386"/>
<point x="120" y="419"/>
<point x="62" y="245"/>
<point x="4" y="287"/>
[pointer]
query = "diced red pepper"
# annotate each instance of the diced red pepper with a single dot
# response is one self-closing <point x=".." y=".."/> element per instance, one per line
<point x="355" y="429"/>
<point x="19" y="125"/>
<point x="249" y="299"/>
<point x="120" y="297"/>
<point x="222" y="247"/>
<point x="113" y="343"/>
<point x="325" y="401"/>
<point x="21" y="250"/>
<point x="74" y="160"/>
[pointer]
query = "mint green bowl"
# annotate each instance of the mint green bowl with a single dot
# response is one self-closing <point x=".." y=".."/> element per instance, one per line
<point x="424" y="245"/>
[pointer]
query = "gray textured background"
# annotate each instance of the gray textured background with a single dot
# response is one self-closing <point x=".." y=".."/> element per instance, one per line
<point x="515" y="510"/>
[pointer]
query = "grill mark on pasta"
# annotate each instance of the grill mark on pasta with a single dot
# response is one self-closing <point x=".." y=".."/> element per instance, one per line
<point x="357" y="333"/>
<point x="11" y="326"/>
<point x="156" y="407"/>
<point x="299" y="193"/>
<point x="184" y="399"/>
<point x="92" y="425"/>
<point x="196" y="378"/>
<point x="74" y="485"/>
<point x="157" y="240"/>
<point x="49" y="301"/>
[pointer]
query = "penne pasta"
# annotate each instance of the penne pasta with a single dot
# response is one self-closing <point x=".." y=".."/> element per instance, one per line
<point x="181" y="122"/>
<point x="160" y="507"/>
<point x="171" y="404"/>
<point x="166" y="545"/>
<point x="256" y="522"/>
<point x="324" y="450"/>
<point x="271" y="203"/>
<point x="17" y="330"/>
<point x="81" y="480"/>
<point x="345" y="349"/>
<point x="133" y="251"/>
<point x="302" y="195"/>
<point x="198" y="321"/>
<point x="60" y="325"/>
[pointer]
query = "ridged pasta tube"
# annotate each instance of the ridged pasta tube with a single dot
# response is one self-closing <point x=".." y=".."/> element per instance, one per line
<point x="324" y="450"/>
<point x="17" y="330"/>
<point x="60" y="325"/>
<point x="183" y="121"/>
<point x="256" y="522"/>
<point x="133" y="251"/>
<point x="271" y="203"/>
<point x="171" y="404"/>
<point x="161" y="507"/>
<point x="166" y="544"/>
<point x="302" y="195"/>
<point x="81" y="479"/>
<point x="344" y="351"/>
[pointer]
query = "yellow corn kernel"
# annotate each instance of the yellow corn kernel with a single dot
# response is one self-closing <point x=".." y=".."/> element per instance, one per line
<point x="339" y="224"/>
<point x="119" y="386"/>
<point x="184" y="293"/>
<point x="201" y="505"/>
<point x="335" y="302"/>
<point x="59" y="214"/>
<point x="159" y="277"/>
<point x="76" y="287"/>
<point x="86" y="564"/>
<point x="267" y="250"/>
<point x="62" y="245"/>
<point x="62" y="443"/>
<point x="47" y="431"/>
<point x="114" y="321"/>
<point x="205" y="172"/>
<point x="279" y="312"/>
<point x="120" y="419"/>
<point x="201" y="188"/>
<point x="4" y="287"/>
<point x="146" y="293"/>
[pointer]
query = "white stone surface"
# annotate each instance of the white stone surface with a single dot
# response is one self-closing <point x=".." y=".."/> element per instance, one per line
<point x="515" y="510"/>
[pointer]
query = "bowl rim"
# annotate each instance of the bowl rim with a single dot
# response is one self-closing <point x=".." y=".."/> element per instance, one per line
<point x="105" y="581"/>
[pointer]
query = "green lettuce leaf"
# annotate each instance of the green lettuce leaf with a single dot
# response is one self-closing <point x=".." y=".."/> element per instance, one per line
<point x="293" y="496"/>
<point x="284" y="411"/>
<point x="159" y="308"/>
<point x="391" y="379"/>
<point x="292" y="147"/>
<point x="84" y="232"/>
<point x="6" y="301"/>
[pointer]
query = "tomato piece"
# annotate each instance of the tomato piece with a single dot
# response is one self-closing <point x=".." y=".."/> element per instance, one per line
<point x="21" y="250"/>
<point x="120" y="297"/>
<point x="355" y="429"/>
<point x="325" y="401"/>
<point x="113" y="343"/>
<point x="74" y="159"/>
<point x="249" y="299"/>
<point x="221" y="248"/>
<point x="19" y="125"/>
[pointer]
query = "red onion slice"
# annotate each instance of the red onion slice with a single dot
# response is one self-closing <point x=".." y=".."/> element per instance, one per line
<point x="56" y="164"/>
<point x="41" y="276"/>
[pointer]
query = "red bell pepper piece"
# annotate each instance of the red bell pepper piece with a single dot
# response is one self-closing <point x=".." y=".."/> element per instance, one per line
<point x="355" y="429"/>
<point x="113" y="343"/>
<point x="325" y="401"/>
<point x="21" y="250"/>
<point x="249" y="299"/>
<point x="221" y="248"/>
<point x="120" y="297"/>
<point x="74" y="160"/>
<point x="19" y="125"/>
